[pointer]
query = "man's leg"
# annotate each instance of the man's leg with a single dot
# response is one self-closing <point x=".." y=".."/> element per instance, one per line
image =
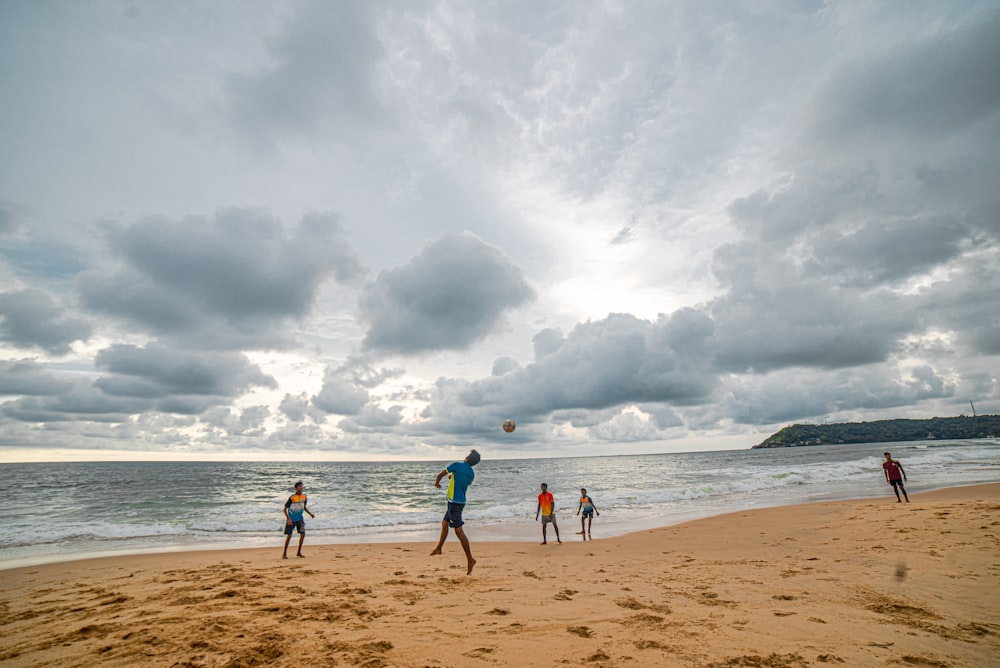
<point x="905" y="496"/>
<point x="302" y="537"/>
<point x="465" y="546"/>
<point x="545" y="527"/>
<point x="590" y="523"/>
<point x="556" y="527"/>
<point x="288" y="537"/>
<point x="444" y="534"/>
<point x="895" y="489"/>
<point x="583" y="526"/>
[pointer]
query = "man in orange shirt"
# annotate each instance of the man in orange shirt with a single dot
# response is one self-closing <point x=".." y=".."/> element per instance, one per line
<point x="547" y="507"/>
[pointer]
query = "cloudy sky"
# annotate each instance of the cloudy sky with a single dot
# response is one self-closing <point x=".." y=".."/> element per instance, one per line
<point x="378" y="229"/>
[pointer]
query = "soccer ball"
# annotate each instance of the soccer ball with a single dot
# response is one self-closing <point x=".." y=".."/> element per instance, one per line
<point x="508" y="426"/>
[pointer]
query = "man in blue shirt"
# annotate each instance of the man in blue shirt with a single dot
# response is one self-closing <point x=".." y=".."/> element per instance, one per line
<point x="460" y="476"/>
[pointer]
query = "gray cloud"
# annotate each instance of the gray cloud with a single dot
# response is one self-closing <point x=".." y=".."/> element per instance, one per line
<point x="454" y="293"/>
<point x="158" y="371"/>
<point x="138" y="380"/>
<point x="77" y="400"/>
<point x="339" y="395"/>
<point x="20" y="377"/>
<point x="891" y="251"/>
<point x="324" y="72"/>
<point x="364" y="373"/>
<point x="31" y="319"/>
<point x="546" y="342"/>
<point x="504" y="365"/>
<point x="298" y="407"/>
<point x="8" y="216"/>
<point x="373" y="418"/>
<point x="929" y="87"/>
<point x="228" y="281"/>
<point x="795" y="393"/>
<point x="600" y="365"/>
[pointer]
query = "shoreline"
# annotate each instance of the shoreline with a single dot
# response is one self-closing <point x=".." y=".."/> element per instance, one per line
<point x="854" y="582"/>
<point x="484" y="533"/>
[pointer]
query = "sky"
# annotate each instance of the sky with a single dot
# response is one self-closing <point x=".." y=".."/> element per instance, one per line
<point x="376" y="230"/>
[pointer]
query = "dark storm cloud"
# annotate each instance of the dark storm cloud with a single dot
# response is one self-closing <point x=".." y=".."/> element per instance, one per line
<point x="158" y="371"/>
<point x="31" y="319"/>
<point x="27" y="377"/>
<point x="324" y="70"/>
<point x="454" y="293"/>
<point x="228" y="281"/>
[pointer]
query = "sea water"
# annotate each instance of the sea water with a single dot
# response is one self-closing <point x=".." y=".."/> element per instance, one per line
<point x="58" y="511"/>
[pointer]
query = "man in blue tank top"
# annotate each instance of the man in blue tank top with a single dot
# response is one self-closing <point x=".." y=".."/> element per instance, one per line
<point x="460" y="476"/>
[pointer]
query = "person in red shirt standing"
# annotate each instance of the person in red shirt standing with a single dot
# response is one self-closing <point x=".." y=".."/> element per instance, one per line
<point x="895" y="476"/>
<point x="547" y="507"/>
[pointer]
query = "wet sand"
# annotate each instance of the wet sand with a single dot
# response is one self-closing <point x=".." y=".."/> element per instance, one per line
<point x="852" y="583"/>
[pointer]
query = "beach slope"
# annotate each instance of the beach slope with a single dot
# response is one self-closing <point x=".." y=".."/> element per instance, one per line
<point x="854" y="583"/>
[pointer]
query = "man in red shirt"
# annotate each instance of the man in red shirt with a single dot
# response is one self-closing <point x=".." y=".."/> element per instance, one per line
<point x="895" y="475"/>
<point x="547" y="507"/>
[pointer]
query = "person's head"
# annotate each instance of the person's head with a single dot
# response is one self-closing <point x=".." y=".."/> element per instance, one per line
<point x="472" y="458"/>
<point x="887" y="455"/>
<point x="298" y="486"/>
<point x="545" y="487"/>
<point x="583" y="492"/>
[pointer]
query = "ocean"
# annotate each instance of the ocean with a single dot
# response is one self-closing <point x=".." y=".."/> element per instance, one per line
<point x="61" y="511"/>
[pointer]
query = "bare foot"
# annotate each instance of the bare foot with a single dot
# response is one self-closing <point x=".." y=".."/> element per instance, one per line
<point x="578" y="533"/>
<point x="544" y="542"/>
<point x="558" y="541"/>
<point x="437" y="550"/>
<point x="284" y="556"/>
<point x="472" y="564"/>
<point x="300" y="556"/>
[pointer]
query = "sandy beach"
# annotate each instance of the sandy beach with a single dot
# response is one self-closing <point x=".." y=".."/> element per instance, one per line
<point x="854" y="583"/>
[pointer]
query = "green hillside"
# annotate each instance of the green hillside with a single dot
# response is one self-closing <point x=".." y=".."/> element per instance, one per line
<point x="884" y="431"/>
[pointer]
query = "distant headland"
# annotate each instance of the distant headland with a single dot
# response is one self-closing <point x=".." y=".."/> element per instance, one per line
<point x="884" y="431"/>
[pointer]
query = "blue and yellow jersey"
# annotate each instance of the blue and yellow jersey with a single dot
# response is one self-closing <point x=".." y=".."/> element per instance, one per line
<point x="296" y="506"/>
<point x="461" y="477"/>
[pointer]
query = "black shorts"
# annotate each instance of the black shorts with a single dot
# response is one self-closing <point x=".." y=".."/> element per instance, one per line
<point x="894" y="483"/>
<point x="300" y="525"/>
<point x="454" y="515"/>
